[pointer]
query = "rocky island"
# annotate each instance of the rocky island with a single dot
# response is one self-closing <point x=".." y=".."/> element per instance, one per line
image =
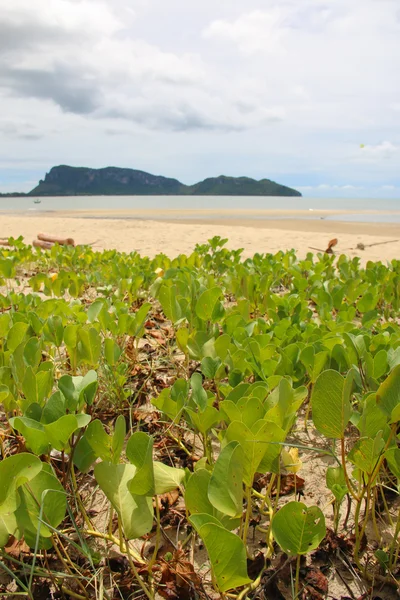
<point x="112" y="181"/>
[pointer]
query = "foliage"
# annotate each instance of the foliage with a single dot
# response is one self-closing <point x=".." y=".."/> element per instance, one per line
<point x="173" y="392"/>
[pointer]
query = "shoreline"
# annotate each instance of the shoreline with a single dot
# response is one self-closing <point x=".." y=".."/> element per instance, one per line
<point x="314" y="221"/>
<point x="176" y="236"/>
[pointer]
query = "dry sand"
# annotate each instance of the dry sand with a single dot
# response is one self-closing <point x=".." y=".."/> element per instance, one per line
<point x="173" y="233"/>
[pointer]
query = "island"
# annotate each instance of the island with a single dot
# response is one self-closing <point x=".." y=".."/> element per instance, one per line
<point x="64" y="180"/>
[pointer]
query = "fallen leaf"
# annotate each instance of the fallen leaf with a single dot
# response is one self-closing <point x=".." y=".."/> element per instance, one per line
<point x="16" y="547"/>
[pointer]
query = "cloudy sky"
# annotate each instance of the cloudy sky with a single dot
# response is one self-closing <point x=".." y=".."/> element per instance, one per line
<point x="285" y="89"/>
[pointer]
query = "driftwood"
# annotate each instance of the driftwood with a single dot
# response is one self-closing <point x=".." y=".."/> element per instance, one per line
<point x="42" y="244"/>
<point x="45" y="237"/>
<point x="4" y="243"/>
<point x="361" y="246"/>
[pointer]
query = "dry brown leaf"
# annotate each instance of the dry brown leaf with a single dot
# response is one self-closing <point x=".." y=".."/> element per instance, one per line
<point x="178" y="577"/>
<point x="16" y="547"/>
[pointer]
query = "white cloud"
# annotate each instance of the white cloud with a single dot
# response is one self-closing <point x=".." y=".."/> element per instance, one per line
<point x="88" y="63"/>
<point x="383" y="150"/>
<point x="68" y="16"/>
<point x="256" y="87"/>
<point x="253" y="31"/>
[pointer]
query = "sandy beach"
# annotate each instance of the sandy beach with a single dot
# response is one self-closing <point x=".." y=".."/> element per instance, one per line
<point x="174" y="233"/>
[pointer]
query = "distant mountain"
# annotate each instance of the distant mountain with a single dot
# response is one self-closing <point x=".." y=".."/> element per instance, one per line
<point x="111" y="181"/>
<point x="239" y="186"/>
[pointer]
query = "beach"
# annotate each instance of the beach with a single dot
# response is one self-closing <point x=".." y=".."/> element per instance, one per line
<point x="172" y="232"/>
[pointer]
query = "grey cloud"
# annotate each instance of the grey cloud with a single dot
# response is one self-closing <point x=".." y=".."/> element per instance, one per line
<point x="62" y="85"/>
<point x="180" y="117"/>
<point x="25" y="36"/>
<point x="156" y="118"/>
<point x="22" y="131"/>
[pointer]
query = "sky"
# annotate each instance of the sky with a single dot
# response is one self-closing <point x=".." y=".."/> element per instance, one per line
<point x="304" y="92"/>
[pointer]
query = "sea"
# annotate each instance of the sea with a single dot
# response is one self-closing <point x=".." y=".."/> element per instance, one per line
<point x="203" y="207"/>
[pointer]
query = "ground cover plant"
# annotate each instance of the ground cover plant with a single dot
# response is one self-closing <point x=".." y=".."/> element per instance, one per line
<point x="202" y="427"/>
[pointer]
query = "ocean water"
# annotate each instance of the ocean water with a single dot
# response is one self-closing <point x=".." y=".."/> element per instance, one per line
<point x="387" y="210"/>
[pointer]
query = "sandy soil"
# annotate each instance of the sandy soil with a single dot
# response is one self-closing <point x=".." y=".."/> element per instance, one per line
<point x="265" y="232"/>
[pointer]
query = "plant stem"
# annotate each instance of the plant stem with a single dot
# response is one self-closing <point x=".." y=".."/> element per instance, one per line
<point x="114" y="540"/>
<point x="394" y="543"/>
<point x="346" y="476"/>
<point x="135" y="572"/>
<point x="158" y="537"/>
<point x="248" y="513"/>
<point x="79" y="499"/>
<point x="357" y="529"/>
<point x="296" y="582"/>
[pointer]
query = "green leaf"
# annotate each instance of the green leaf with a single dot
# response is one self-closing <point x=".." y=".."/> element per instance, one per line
<point x="36" y="387"/>
<point x="16" y="335"/>
<point x="112" y="351"/>
<point x="135" y="512"/>
<point x="34" y="434"/>
<point x="99" y="442"/>
<point x="78" y="390"/>
<point x="42" y="501"/>
<point x="251" y="410"/>
<point x="373" y="418"/>
<point x="59" y="432"/>
<point x="166" y="478"/>
<point x="366" y="453"/>
<point x="139" y="451"/>
<point x="54" y="330"/>
<point x="336" y="482"/>
<point x="226" y="551"/>
<point x="84" y="455"/>
<point x="118" y="437"/>
<point x="204" y="421"/>
<point x="196" y="493"/>
<point x="89" y="346"/>
<point x="33" y="352"/>
<point x="298" y="529"/>
<point x="197" y="501"/>
<point x="4" y="325"/>
<point x="137" y="327"/>
<point x="169" y="302"/>
<point x="71" y="336"/>
<point x="393" y="459"/>
<point x="4" y="393"/>
<point x="209" y="366"/>
<point x="199" y="395"/>
<point x="54" y="408"/>
<point x="330" y="401"/>
<point x="388" y="394"/>
<point x="207" y="302"/>
<point x="94" y="310"/>
<point x="15" y="471"/>
<point x="182" y="337"/>
<point x="225" y="490"/>
<point x="260" y="445"/>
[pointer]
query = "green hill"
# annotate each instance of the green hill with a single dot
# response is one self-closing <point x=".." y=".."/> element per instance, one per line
<point x="76" y="181"/>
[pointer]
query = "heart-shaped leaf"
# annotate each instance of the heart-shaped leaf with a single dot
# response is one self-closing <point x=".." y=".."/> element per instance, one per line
<point x="226" y="551"/>
<point x="330" y="401"/>
<point x="135" y="512"/>
<point x="298" y="528"/>
<point x="139" y="451"/>
<point x="225" y="490"/>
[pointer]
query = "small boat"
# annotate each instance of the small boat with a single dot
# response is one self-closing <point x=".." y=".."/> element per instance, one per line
<point x="37" y="201"/>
